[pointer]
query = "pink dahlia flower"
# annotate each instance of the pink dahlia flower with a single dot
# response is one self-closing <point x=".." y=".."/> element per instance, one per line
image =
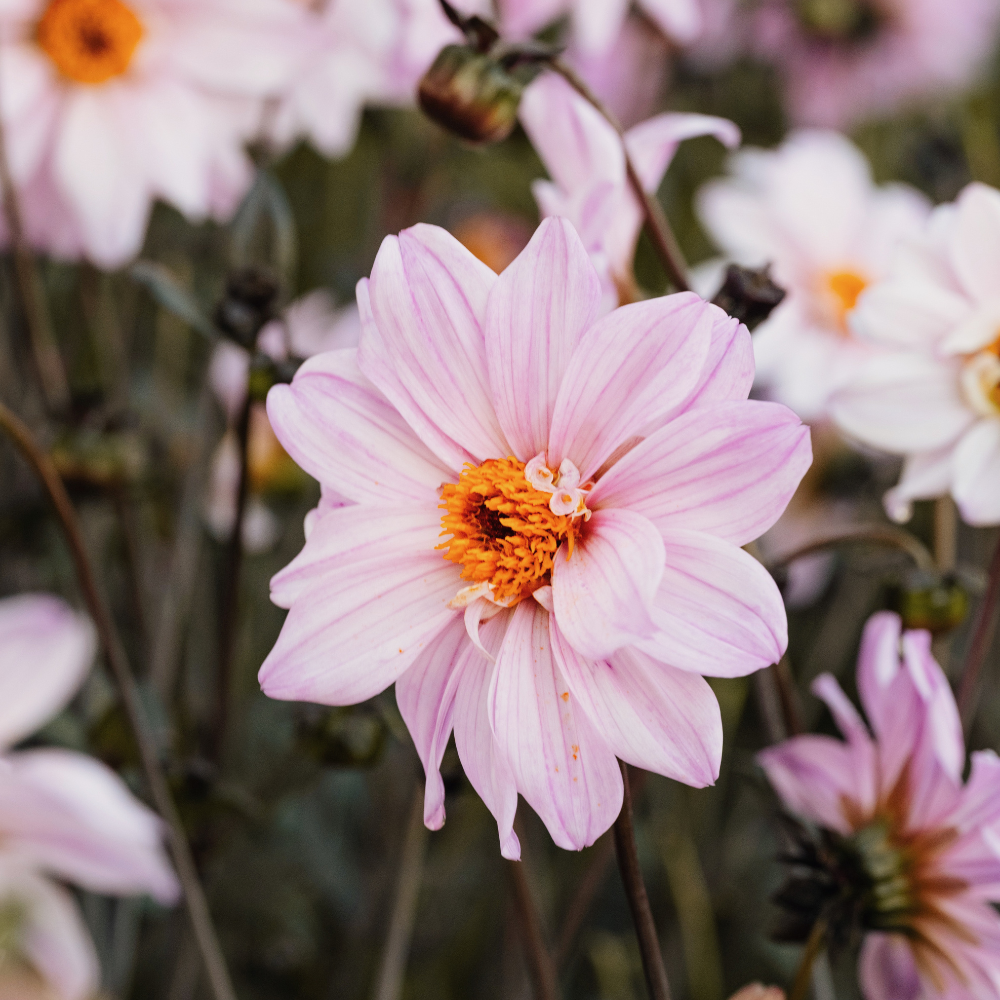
<point x="925" y="843"/>
<point x="853" y="59"/>
<point x="583" y="155"/>
<point x="936" y="397"/>
<point x="62" y="814"/>
<point x="811" y="210"/>
<point x="108" y="105"/>
<point x="367" y="52"/>
<point x="543" y="545"/>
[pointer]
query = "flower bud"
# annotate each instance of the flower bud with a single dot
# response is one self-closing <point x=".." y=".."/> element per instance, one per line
<point x="471" y="94"/>
<point x="925" y="600"/>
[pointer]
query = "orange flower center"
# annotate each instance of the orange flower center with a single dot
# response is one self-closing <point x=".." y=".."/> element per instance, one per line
<point x="981" y="380"/>
<point x="843" y="289"/>
<point x="503" y="530"/>
<point x="90" y="41"/>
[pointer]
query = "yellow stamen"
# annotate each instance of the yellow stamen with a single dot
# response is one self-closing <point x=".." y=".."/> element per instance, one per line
<point x="845" y="289"/>
<point x="502" y="529"/>
<point x="90" y="41"/>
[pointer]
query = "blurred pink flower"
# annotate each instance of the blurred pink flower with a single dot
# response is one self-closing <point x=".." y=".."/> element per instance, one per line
<point x="368" y="52"/>
<point x="811" y="210"/>
<point x="62" y="813"/>
<point x="927" y="842"/>
<point x="160" y="109"/>
<point x="858" y="58"/>
<point x="308" y="326"/>
<point x="596" y="24"/>
<point x="584" y="157"/>
<point x="624" y="447"/>
<point x="936" y="397"/>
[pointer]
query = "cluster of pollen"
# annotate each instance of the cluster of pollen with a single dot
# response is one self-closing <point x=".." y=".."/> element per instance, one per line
<point x="842" y="291"/>
<point x="981" y="381"/>
<point x="506" y="521"/>
<point x="90" y="41"/>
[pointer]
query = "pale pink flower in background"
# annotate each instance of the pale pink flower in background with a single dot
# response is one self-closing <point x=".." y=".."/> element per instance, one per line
<point x="308" y="326"/>
<point x="596" y="476"/>
<point x="596" y="24"/>
<point x="368" y="52"/>
<point x="62" y="814"/>
<point x="811" y="210"/>
<point x="936" y="397"/>
<point x="159" y="107"/>
<point x="862" y="58"/>
<point x="584" y="157"/>
<point x="929" y="843"/>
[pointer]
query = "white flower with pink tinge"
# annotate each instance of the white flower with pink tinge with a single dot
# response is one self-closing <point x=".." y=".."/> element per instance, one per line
<point x="368" y="52"/>
<point x="928" y="844"/>
<point x="936" y="397"/>
<point x="811" y="210"/>
<point x="62" y="814"/>
<point x="584" y="157"/>
<point x="108" y="105"/>
<point x="552" y="635"/>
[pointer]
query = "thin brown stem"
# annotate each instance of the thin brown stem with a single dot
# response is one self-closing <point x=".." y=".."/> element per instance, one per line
<point x="229" y="617"/>
<point x="194" y="896"/>
<point x="791" y="710"/>
<point x="540" y="966"/>
<point x="583" y="899"/>
<point x="45" y="352"/>
<point x="657" y="224"/>
<point x="638" y="901"/>
<point x="817" y="937"/>
<point x="877" y="534"/>
<point x="982" y="637"/>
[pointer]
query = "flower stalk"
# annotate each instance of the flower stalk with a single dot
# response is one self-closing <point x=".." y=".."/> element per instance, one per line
<point x="638" y="900"/>
<point x="194" y="894"/>
<point x="968" y="692"/>
<point x="814" y="945"/>
<point x="664" y="240"/>
<point x="540" y="965"/>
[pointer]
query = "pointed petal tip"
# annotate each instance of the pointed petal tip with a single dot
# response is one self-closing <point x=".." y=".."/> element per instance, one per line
<point x="510" y="847"/>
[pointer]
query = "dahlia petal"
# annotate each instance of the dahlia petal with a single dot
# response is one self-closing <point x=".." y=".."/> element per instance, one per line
<point x="352" y="635"/>
<point x="878" y="665"/>
<point x="943" y="723"/>
<point x="348" y="535"/>
<point x="375" y="360"/>
<point x="980" y="805"/>
<point x="428" y="298"/>
<point x="632" y="367"/>
<point x="603" y="592"/>
<point x="54" y="938"/>
<point x="425" y="695"/>
<point x="47" y="651"/>
<point x="653" y="143"/>
<point x="717" y="610"/>
<point x="815" y="776"/>
<point x="849" y="722"/>
<point x="925" y="475"/>
<point x="478" y="750"/>
<point x="562" y="766"/>
<point x="94" y="170"/>
<point x="653" y="716"/>
<point x="728" y="470"/>
<point x="536" y="315"/>
<point x="887" y="969"/>
<point x="680" y="20"/>
<point x="902" y="403"/>
<point x="975" y="241"/>
<point x="597" y="23"/>
<point x="907" y="314"/>
<point x="977" y="474"/>
<point x="728" y="372"/>
<point x="71" y="815"/>
<point x="343" y="432"/>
